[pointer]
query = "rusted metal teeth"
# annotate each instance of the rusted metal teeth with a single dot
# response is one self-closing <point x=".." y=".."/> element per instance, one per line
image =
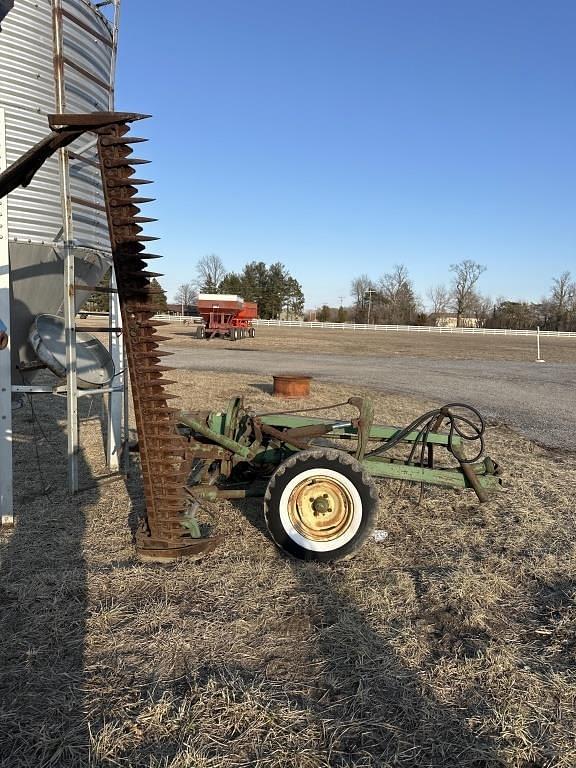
<point x="154" y="368"/>
<point x="113" y="183"/>
<point x="109" y="141"/>
<point x="123" y="221"/>
<point x="126" y="210"/>
<point x="116" y="202"/>
<point x="150" y="355"/>
<point x="125" y="162"/>
<point x="136" y="238"/>
<point x="129" y="249"/>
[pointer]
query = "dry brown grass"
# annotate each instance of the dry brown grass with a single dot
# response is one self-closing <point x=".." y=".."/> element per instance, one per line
<point x="451" y="644"/>
<point x="382" y="343"/>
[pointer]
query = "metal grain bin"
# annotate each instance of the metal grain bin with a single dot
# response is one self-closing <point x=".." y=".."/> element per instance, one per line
<point x="32" y="68"/>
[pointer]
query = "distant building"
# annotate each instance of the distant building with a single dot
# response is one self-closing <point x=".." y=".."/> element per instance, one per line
<point x="450" y="320"/>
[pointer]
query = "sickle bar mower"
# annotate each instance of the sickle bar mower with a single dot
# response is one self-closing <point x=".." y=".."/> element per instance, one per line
<point x="316" y="474"/>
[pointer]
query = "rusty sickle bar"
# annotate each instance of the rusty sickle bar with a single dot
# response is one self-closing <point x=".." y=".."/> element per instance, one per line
<point x="165" y="461"/>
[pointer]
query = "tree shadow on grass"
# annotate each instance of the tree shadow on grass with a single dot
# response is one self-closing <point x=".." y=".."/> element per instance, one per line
<point x="379" y="711"/>
<point x="43" y="598"/>
<point x="333" y="695"/>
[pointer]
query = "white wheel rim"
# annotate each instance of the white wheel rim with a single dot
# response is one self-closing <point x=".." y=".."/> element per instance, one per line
<point x="338" y="488"/>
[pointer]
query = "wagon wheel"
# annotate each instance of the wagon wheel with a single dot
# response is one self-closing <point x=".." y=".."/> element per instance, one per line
<point x="320" y="505"/>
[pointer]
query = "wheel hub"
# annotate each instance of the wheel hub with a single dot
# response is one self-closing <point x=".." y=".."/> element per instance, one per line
<point x="320" y="508"/>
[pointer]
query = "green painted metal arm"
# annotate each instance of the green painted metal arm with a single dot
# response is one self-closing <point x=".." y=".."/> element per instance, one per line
<point x="449" y="477"/>
<point x="217" y="422"/>
<point x="379" y="433"/>
<point x="226" y="442"/>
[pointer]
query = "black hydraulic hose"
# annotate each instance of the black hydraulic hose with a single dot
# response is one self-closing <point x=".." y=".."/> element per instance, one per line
<point x="424" y="423"/>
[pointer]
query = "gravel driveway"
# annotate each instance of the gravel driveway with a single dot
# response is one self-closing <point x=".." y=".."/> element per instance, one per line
<point x="537" y="399"/>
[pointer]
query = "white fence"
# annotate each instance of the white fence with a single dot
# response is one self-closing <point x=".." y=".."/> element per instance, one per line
<point x="365" y="327"/>
<point x="184" y="319"/>
<point x="410" y="328"/>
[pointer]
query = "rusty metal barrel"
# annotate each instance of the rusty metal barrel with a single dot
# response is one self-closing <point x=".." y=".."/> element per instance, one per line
<point x="291" y="385"/>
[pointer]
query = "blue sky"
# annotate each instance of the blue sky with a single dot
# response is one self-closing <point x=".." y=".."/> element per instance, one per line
<point x="344" y="137"/>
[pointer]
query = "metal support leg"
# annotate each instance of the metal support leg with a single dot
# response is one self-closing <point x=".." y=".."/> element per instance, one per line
<point x="126" y="421"/>
<point x="6" y="464"/>
<point x="71" y="376"/>
<point x="115" y="398"/>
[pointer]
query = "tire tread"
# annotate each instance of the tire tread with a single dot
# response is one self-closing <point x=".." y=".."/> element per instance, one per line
<point x="339" y="457"/>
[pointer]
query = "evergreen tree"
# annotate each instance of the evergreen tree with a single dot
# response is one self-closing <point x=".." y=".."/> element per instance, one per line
<point x="272" y="288"/>
<point x="159" y="300"/>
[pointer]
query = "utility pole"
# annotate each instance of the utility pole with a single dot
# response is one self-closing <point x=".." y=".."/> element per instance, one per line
<point x="370" y="291"/>
<point x="341" y="299"/>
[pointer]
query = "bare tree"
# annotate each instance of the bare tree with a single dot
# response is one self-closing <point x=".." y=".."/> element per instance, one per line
<point x="466" y="275"/>
<point x="562" y="301"/>
<point x="398" y="302"/>
<point x="211" y="272"/>
<point x="185" y="294"/>
<point x="359" y="289"/>
<point x="439" y="297"/>
<point x="481" y="308"/>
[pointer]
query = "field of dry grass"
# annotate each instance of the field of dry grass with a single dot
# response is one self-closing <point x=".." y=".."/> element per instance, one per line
<point x="452" y="643"/>
<point x="359" y="343"/>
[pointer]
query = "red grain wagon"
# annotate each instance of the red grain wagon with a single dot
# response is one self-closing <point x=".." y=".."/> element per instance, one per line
<point x="226" y="315"/>
<point x="244" y="318"/>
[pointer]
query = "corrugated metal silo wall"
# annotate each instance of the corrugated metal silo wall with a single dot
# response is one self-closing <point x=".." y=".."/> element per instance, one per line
<point x="28" y="94"/>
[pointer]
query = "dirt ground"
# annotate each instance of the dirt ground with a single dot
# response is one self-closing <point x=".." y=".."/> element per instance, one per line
<point x="419" y="344"/>
<point x="452" y="643"/>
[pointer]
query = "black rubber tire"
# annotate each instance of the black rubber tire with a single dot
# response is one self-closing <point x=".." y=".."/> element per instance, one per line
<point x="252" y="332"/>
<point x="350" y="471"/>
<point x="200" y="332"/>
<point x="233" y="334"/>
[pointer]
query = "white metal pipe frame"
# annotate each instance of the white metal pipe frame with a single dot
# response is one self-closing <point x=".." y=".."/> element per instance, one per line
<point x="57" y="56"/>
